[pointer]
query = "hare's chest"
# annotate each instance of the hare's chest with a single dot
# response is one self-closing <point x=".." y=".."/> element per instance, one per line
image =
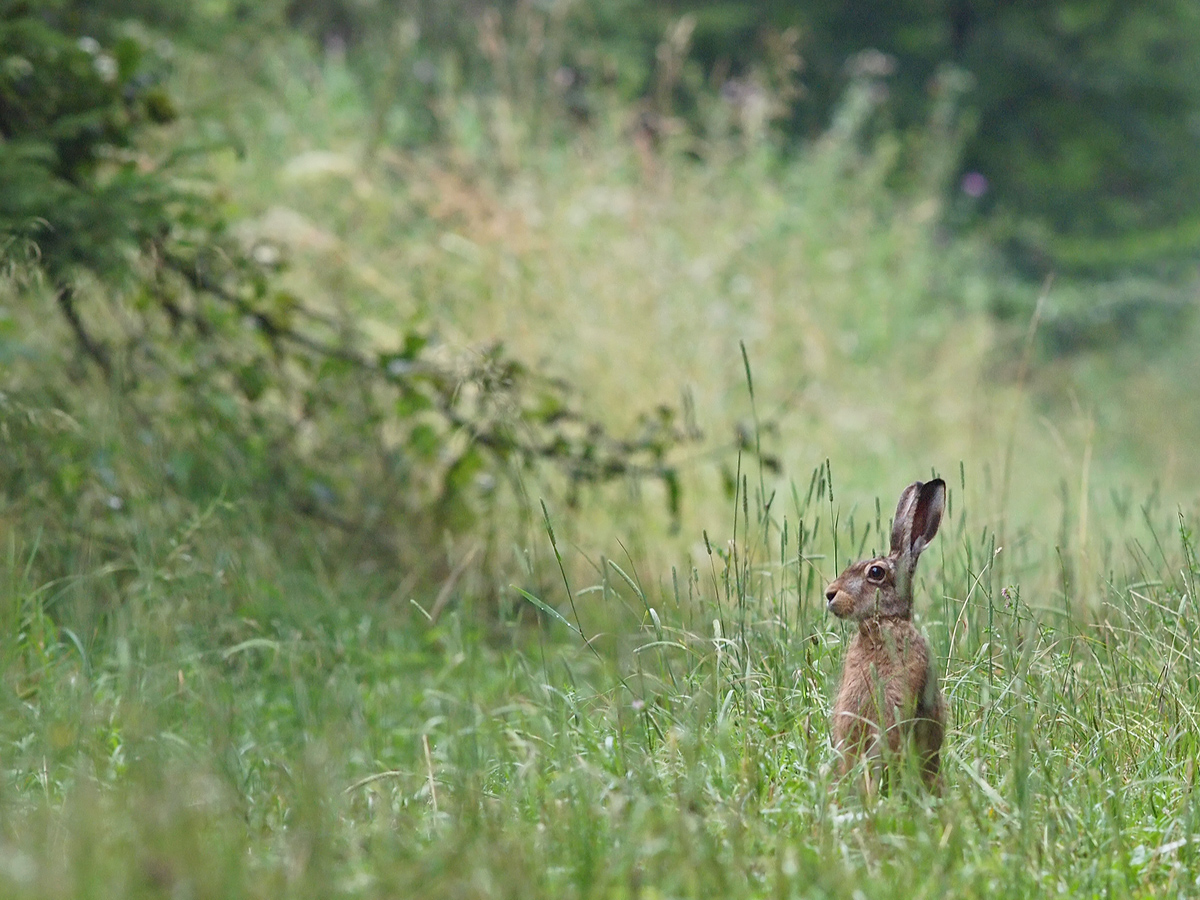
<point x="892" y="670"/>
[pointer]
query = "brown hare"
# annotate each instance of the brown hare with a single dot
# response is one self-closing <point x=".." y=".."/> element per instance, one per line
<point x="889" y="693"/>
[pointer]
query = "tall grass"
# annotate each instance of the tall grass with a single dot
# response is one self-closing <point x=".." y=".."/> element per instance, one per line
<point x="661" y="738"/>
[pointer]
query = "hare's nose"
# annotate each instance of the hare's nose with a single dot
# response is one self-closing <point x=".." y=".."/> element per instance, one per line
<point x="830" y="594"/>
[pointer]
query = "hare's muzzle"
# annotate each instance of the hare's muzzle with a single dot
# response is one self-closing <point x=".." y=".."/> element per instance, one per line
<point x="841" y="604"/>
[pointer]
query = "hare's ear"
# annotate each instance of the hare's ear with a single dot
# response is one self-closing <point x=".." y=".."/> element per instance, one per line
<point x="930" y="505"/>
<point x="918" y="515"/>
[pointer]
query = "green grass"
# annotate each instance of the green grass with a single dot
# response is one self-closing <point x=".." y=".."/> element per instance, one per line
<point x="243" y="733"/>
<point x="198" y="700"/>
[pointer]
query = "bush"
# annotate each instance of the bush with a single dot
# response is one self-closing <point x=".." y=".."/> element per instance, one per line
<point x="225" y="380"/>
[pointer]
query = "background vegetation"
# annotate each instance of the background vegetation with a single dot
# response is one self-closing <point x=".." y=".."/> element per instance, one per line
<point x="426" y="430"/>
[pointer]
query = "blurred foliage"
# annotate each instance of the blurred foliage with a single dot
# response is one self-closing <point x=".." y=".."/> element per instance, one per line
<point x="1075" y="121"/>
<point x="70" y="109"/>
<point x="1082" y="118"/>
<point x="230" y="380"/>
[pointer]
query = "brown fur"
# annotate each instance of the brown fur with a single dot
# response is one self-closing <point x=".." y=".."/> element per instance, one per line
<point x="889" y="696"/>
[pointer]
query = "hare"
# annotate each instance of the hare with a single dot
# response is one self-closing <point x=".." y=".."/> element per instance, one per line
<point x="889" y="692"/>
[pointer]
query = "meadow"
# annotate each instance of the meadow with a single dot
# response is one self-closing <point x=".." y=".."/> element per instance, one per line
<point x="609" y="700"/>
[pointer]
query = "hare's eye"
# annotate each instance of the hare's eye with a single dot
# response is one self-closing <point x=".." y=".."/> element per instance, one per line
<point x="875" y="573"/>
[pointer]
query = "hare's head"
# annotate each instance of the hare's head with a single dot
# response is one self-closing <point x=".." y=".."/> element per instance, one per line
<point x="882" y="586"/>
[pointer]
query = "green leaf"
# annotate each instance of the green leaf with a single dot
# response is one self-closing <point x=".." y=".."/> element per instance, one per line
<point x="411" y="402"/>
<point x="463" y="470"/>
<point x="334" y="367"/>
<point x="674" y="493"/>
<point x="414" y="343"/>
<point x="252" y="380"/>
<point x="424" y="441"/>
<point x="250" y="644"/>
<point x="547" y="609"/>
<point x="129" y="54"/>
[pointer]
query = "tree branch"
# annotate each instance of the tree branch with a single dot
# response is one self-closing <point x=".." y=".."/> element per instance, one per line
<point x="64" y="296"/>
